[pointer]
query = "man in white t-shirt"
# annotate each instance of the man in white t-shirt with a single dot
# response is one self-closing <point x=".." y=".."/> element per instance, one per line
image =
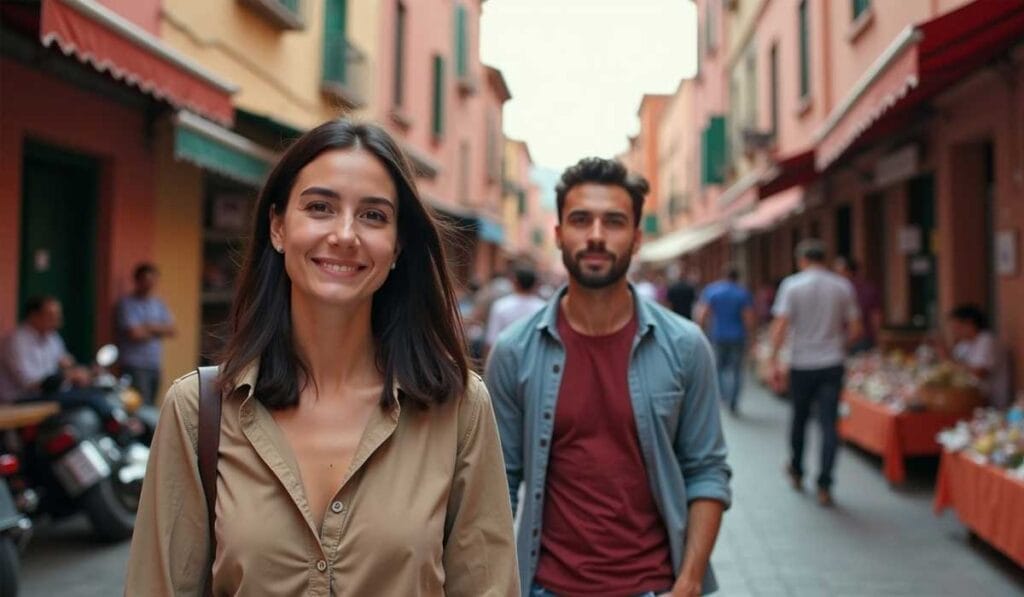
<point x="513" y="307"/>
<point x="817" y="309"/>
<point x="974" y="346"/>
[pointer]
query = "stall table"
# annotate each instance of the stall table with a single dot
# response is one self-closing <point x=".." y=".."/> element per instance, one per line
<point x="891" y="433"/>
<point x="986" y="499"/>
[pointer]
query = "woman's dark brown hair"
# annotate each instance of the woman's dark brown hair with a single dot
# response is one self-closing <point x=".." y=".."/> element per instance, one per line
<point x="420" y="346"/>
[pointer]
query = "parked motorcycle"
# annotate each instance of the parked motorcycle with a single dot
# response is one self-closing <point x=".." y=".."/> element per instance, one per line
<point x="75" y="461"/>
<point x="133" y="420"/>
<point x="15" y="529"/>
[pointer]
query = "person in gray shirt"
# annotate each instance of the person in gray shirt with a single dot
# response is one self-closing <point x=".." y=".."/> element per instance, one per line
<point x="817" y="309"/>
<point x="143" y="321"/>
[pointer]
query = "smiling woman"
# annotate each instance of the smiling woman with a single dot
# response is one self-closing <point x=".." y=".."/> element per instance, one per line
<point x="353" y="441"/>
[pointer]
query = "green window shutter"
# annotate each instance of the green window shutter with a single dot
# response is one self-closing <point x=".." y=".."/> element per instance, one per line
<point x="461" y="42"/>
<point x="291" y="5"/>
<point x="335" y="42"/>
<point x="438" y="120"/>
<point x="651" y="224"/>
<point x="714" y="151"/>
<point x="538" y="238"/>
<point x="805" y="52"/>
<point x="521" y="197"/>
<point x="859" y="6"/>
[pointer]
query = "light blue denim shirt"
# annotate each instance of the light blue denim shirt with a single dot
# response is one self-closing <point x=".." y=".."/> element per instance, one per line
<point x="674" y="392"/>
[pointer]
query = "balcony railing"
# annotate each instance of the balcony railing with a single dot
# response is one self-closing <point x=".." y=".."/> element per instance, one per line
<point x="286" y="14"/>
<point x="344" y="74"/>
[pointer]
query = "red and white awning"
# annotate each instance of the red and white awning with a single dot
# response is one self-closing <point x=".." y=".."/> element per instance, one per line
<point x="98" y="36"/>
<point x="924" y="60"/>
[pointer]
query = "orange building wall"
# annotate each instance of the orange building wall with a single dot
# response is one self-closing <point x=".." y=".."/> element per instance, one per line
<point x="98" y="127"/>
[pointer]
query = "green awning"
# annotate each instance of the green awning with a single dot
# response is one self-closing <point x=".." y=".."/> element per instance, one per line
<point x="219" y="150"/>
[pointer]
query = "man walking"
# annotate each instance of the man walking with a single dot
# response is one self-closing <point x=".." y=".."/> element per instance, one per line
<point x="521" y="303"/>
<point x="818" y="310"/>
<point x="143" y="321"/>
<point x="607" y="409"/>
<point x="731" y="310"/>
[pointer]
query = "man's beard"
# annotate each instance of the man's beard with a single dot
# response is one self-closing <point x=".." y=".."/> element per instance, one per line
<point x="615" y="272"/>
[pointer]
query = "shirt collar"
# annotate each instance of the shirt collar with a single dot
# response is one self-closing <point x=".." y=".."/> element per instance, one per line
<point x="251" y="373"/>
<point x="549" y="318"/>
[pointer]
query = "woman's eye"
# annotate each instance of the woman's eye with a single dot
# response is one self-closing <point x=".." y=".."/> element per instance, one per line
<point x="376" y="215"/>
<point x="320" y="207"/>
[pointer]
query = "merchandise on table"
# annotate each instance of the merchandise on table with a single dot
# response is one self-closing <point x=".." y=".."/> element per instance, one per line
<point x="993" y="437"/>
<point x="913" y="382"/>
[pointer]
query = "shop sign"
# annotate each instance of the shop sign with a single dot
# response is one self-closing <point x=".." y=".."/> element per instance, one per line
<point x="897" y="166"/>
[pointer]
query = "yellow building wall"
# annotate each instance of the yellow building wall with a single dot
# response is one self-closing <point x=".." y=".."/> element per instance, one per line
<point x="278" y="71"/>
<point x="177" y="251"/>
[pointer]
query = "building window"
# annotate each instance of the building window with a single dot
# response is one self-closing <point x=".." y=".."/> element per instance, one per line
<point x="859" y="7"/>
<point x="711" y="25"/>
<point x="714" y="150"/>
<point x="399" y="81"/>
<point x="805" y="51"/>
<point x="437" y="122"/>
<point x="343" y="63"/>
<point x="461" y="43"/>
<point x="774" y="98"/>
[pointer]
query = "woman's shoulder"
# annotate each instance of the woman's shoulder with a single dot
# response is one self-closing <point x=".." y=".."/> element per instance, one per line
<point x="474" y="402"/>
<point x="182" y="403"/>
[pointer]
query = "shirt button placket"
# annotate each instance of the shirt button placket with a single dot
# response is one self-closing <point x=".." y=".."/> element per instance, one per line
<point x="321" y="566"/>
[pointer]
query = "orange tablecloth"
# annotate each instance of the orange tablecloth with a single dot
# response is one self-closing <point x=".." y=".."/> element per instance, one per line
<point x="986" y="499"/>
<point x="892" y="434"/>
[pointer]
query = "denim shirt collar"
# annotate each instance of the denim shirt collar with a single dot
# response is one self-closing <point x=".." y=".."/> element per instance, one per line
<point x="549" y="317"/>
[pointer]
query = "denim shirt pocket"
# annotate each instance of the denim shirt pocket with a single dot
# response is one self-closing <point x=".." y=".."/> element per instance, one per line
<point x="667" y="407"/>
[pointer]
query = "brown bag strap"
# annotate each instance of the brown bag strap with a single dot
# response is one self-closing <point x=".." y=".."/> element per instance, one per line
<point x="209" y="443"/>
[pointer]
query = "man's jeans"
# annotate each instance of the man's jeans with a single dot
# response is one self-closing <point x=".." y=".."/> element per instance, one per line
<point x="820" y="388"/>
<point x="146" y="381"/>
<point x="730" y="371"/>
<point x="539" y="591"/>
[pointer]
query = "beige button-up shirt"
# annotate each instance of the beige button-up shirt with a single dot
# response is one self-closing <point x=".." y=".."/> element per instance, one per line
<point x="424" y="509"/>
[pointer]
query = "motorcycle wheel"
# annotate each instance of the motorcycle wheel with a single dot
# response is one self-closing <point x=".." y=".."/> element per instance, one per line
<point x="8" y="567"/>
<point x="112" y="519"/>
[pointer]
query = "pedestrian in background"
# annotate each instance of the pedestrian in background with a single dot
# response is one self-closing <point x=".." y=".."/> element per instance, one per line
<point x="143" y="322"/>
<point x="817" y="309"/>
<point x="682" y="294"/>
<point x="509" y="309"/>
<point x="607" y="409"/>
<point x="730" y="308"/>
<point x="868" y="300"/>
<point x="358" y="455"/>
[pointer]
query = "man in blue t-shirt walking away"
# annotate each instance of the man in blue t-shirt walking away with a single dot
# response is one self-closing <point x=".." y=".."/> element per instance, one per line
<point x="730" y="307"/>
<point x="143" y="321"/>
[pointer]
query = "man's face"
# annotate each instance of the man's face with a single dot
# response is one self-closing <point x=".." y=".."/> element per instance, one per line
<point x="146" y="283"/>
<point x="49" y="318"/>
<point x="597" y="234"/>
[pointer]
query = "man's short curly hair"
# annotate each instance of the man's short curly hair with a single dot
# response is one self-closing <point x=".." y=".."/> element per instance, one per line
<point x="605" y="172"/>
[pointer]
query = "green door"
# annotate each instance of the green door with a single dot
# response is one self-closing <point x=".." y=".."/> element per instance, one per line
<point x="58" y="239"/>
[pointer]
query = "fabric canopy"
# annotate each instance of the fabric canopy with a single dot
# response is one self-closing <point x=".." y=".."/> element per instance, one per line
<point x="770" y="211"/>
<point x="923" y="61"/>
<point x="219" y="150"/>
<point x="110" y="43"/>
<point x="679" y="243"/>
<point x="792" y="170"/>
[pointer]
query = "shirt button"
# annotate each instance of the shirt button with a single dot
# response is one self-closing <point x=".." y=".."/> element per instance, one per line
<point x="543" y="443"/>
<point x="337" y="507"/>
<point x="321" y="566"/>
<point x="556" y="368"/>
<point x="547" y="414"/>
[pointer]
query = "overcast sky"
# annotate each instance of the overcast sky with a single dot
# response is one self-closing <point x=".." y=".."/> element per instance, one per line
<point x="578" y="69"/>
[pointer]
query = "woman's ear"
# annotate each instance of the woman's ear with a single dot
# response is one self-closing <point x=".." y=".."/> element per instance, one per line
<point x="276" y="230"/>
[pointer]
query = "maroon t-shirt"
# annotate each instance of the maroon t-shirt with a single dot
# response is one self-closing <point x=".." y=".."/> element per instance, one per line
<point x="602" y="534"/>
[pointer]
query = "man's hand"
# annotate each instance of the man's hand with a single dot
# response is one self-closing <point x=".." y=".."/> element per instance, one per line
<point x="78" y="376"/>
<point x="684" y="587"/>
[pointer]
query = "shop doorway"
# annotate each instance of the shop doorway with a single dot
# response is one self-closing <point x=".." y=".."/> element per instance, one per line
<point x="921" y="265"/>
<point x="58" y="239"/>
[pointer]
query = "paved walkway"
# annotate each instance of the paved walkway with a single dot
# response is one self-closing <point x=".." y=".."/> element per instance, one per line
<point x="878" y="541"/>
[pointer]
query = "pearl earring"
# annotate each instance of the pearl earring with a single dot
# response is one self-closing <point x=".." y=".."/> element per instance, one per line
<point x="279" y="249"/>
<point x="394" y="264"/>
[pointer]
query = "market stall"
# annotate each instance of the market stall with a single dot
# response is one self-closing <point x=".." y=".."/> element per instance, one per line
<point x="981" y="477"/>
<point x="895" y="406"/>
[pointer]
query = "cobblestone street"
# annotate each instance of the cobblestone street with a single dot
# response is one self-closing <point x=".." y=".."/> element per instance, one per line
<point x="877" y="541"/>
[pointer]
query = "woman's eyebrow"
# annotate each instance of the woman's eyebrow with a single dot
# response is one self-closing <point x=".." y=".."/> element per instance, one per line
<point x="323" y="191"/>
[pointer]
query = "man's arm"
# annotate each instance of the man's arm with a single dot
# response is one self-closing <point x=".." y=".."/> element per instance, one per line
<point x="701" y="312"/>
<point x="700" y="450"/>
<point x="703" y="522"/>
<point x="750" y="321"/>
<point x="500" y="379"/>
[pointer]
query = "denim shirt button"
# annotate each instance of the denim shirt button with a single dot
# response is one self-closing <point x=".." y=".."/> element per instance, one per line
<point x="543" y="443"/>
<point x="547" y="415"/>
<point x="556" y="368"/>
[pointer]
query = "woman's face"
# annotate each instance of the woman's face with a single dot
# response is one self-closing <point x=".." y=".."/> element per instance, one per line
<point x="339" y="231"/>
